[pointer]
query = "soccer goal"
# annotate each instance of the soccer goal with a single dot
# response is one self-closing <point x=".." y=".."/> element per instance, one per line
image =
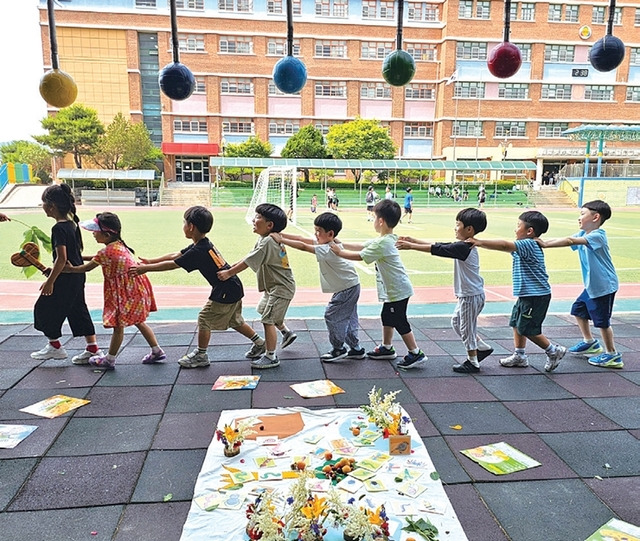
<point x="277" y="185"/>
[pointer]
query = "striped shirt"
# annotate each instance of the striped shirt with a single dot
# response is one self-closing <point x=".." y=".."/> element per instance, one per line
<point x="530" y="278"/>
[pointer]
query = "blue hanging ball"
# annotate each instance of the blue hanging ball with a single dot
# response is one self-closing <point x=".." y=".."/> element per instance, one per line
<point x="607" y="53"/>
<point x="398" y="68"/>
<point x="289" y="75"/>
<point x="176" y="81"/>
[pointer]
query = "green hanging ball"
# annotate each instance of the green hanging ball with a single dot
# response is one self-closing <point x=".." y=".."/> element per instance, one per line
<point x="398" y="68"/>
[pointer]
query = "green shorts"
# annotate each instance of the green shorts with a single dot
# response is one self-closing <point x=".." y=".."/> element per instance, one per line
<point x="273" y="309"/>
<point x="528" y="314"/>
<point x="216" y="316"/>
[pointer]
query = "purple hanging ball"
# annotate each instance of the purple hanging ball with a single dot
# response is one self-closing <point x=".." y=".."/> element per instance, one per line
<point x="398" y="68"/>
<point x="504" y="60"/>
<point x="289" y="75"/>
<point x="607" y="53"/>
<point x="176" y="81"/>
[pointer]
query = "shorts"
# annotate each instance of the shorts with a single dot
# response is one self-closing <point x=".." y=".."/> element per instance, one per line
<point x="528" y="314"/>
<point x="273" y="309"/>
<point x="370" y="208"/>
<point x="408" y="210"/>
<point x="394" y="314"/>
<point x="216" y="316"/>
<point x="598" y="310"/>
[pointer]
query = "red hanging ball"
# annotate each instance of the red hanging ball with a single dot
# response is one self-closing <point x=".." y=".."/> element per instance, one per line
<point x="505" y="60"/>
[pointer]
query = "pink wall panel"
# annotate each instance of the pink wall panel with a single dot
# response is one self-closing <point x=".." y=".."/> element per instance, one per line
<point x="195" y="105"/>
<point x="237" y="106"/>
<point x="379" y="109"/>
<point x="330" y="108"/>
<point x="419" y="110"/>
<point x="285" y="107"/>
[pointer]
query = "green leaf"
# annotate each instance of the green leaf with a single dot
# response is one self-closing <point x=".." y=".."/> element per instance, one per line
<point x="168" y="497"/>
<point x="29" y="271"/>
<point x="434" y="475"/>
<point x="42" y="237"/>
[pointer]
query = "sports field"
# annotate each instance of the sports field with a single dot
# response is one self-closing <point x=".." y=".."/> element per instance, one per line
<point x="155" y="231"/>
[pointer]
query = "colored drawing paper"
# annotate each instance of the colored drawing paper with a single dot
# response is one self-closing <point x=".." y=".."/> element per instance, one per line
<point x="55" y="406"/>
<point x="12" y="435"/>
<point x="231" y="500"/>
<point x="417" y="463"/>
<point x="267" y="440"/>
<point x="350" y="450"/>
<point x="265" y="462"/>
<point x="361" y="474"/>
<point x="366" y="438"/>
<point x="404" y="508"/>
<point x="616" y="529"/>
<point x="208" y="502"/>
<point x="269" y="475"/>
<point x="370" y="464"/>
<point x="374" y="485"/>
<point x="500" y="458"/>
<point x="340" y="443"/>
<point x="319" y="485"/>
<point x="315" y="389"/>
<point x="409" y="474"/>
<point x="411" y="489"/>
<point x="227" y="383"/>
<point x="313" y="439"/>
<point x="350" y="484"/>
<point x="241" y="477"/>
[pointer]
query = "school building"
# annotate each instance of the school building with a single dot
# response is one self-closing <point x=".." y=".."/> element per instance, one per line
<point x="452" y="109"/>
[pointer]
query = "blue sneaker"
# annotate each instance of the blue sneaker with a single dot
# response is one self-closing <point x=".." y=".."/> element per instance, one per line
<point x="586" y="348"/>
<point x="607" y="360"/>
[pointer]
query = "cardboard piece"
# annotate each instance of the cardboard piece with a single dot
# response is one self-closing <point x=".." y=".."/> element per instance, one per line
<point x="282" y="426"/>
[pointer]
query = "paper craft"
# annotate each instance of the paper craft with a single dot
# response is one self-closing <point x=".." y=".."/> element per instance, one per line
<point x="267" y="440"/>
<point x="315" y="389"/>
<point x="241" y="477"/>
<point x="500" y="458"/>
<point x="282" y="426"/>
<point x="208" y="502"/>
<point x="417" y="463"/>
<point x="404" y="508"/>
<point x="366" y="438"/>
<point x="55" y="406"/>
<point x="227" y="383"/>
<point x="231" y="500"/>
<point x="319" y="485"/>
<point x="340" y="443"/>
<point x="313" y="439"/>
<point x="431" y="507"/>
<point x="12" y="435"/>
<point x="374" y="485"/>
<point x="264" y="462"/>
<point x="616" y="530"/>
<point x="361" y="474"/>
<point x="409" y="474"/>
<point x="411" y="489"/>
<point x="350" y="484"/>
<point x="350" y="450"/>
<point x="370" y="464"/>
<point x="270" y="475"/>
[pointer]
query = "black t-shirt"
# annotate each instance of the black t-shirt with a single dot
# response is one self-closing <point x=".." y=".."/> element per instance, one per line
<point x="64" y="234"/>
<point x="204" y="257"/>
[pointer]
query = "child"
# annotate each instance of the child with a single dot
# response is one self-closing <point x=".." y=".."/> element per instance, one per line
<point x="408" y="205"/>
<point x="370" y="199"/>
<point x="224" y="307"/>
<point x="127" y="299"/>
<point x="531" y="286"/>
<point x="394" y="287"/>
<point x="269" y="261"/>
<point x="337" y="276"/>
<point x="600" y="284"/>
<point x="467" y="283"/>
<point x="314" y="203"/>
<point x="62" y="295"/>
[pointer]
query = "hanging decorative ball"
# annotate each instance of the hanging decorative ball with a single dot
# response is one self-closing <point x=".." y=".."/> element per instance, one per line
<point x="289" y="75"/>
<point x="398" y="68"/>
<point x="607" y="53"/>
<point x="505" y="60"/>
<point x="58" y="88"/>
<point x="176" y="81"/>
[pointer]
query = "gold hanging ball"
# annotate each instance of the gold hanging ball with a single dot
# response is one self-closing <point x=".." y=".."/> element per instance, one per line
<point x="58" y="88"/>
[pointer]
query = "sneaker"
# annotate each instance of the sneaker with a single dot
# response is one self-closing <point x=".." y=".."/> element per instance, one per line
<point x="334" y="355"/>
<point x="288" y="338"/>
<point x="607" y="360"/>
<point x="356" y="354"/>
<point x="101" y="361"/>
<point x="49" y="352"/>
<point x="466" y="368"/>
<point x="256" y="351"/>
<point x="412" y="360"/>
<point x="586" y="348"/>
<point x="553" y="359"/>
<point x="195" y="359"/>
<point x="151" y="358"/>
<point x="83" y="358"/>
<point x="381" y="352"/>
<point x="483" y="354"/>
<point x="265" y="362"/>
<point x="515" y="359"/>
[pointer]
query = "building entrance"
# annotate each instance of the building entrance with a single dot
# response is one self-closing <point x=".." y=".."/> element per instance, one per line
<point x="192" y="168"/>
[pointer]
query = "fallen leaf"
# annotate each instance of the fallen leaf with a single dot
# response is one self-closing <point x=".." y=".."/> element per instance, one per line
<point x="435" y="475"/>
<point x="606" y="466"/>
<point x="597" y="477"/>
<point x="167" y="497"/>
<point x="456" y="427"/>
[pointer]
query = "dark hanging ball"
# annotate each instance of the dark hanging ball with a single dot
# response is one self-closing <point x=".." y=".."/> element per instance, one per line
<point x="398" y="68"/>
<point x="607" y="53"/>
<point x="505" y="60"/>
<point x="289" y="75"/>
<point x="176" y="81"/>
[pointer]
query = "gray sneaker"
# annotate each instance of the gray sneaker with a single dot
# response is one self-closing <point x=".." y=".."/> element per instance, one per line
<point x="256" y="351"/>
<point x="515" y="359"/>
<point x="553" y="359"/>
<point x="265" y="362"/>
<point x="288" y="338"/>
<point x="83" y="358"/>
<point x="195" y="359"/>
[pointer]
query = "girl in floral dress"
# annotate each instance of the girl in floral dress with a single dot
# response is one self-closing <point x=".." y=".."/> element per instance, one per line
<point x="127" y="299"/>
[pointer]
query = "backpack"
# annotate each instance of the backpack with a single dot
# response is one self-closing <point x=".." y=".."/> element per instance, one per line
<point x="370" y="197"/>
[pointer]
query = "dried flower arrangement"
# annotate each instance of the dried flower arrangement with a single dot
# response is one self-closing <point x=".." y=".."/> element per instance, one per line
<point x="385" y="413"/>
<point x="233" y="436"/>
<point x="364" y="524"/>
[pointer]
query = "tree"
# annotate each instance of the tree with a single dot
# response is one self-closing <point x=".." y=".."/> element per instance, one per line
<point x="253" y="147"/>
<point x="75" y="130"/>
<point x="307" y="143"/>
<point x="360" y="139"/>
<point x="30" y="153"/>
<point x="126" y="145"/>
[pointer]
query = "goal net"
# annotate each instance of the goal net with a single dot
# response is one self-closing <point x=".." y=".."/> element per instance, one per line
<point x="276" y="185"/>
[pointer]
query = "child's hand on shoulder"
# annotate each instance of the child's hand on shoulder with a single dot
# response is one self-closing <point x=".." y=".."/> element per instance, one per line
<point x="403" y="243"/>
<point x="474" y="241"/>
<point x="224" y="275"/>
<point x="540" y="242"/>
<point x="137" y="270"/>
<point x="335" y="248"/>
<point x="277" y="237"/>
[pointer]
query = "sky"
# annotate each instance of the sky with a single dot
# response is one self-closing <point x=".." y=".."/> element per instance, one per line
<point x="21" y="106"/>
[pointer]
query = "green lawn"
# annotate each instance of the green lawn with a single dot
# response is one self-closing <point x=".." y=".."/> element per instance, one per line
<point x="155" y="231"/>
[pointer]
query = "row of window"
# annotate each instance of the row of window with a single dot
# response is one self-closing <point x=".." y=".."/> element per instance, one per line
<point x="520" y="91"/>
<point x="416" y="11"/>
<point x="460" y="128"/>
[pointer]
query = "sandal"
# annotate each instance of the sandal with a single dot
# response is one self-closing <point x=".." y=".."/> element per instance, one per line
<point x="101" y="361"/>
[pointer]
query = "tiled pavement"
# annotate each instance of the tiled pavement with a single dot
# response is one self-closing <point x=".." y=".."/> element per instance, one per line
<point x="102" y="472"/>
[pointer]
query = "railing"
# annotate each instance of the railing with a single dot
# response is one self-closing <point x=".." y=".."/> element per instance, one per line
<point x="576" y="170"/>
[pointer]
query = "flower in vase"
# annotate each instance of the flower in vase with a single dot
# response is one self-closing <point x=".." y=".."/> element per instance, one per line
<point x="263" y="521"/>
<point x="233" y="436"/>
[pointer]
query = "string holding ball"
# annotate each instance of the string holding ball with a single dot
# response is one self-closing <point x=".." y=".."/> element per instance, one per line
<point x="177" y="81"/>
<point x="289" y="75"/>
<point x="607" y="53"/>
<point x="58" y="88"/>
<point x="505" y="60"/>
<point x="398" y="68"/>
